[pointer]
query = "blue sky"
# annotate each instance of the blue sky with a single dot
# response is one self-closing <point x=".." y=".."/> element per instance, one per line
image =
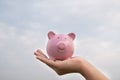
<point x="24" y="25"/>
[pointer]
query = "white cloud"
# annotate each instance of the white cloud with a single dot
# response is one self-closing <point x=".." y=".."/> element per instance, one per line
<point x="5" y="32"/>
<point x="97" y="40"/>
<point x="26" y="37"/>
<point x="96" y="47"/>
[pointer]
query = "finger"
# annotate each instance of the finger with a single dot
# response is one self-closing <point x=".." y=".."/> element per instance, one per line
<point x="36" y="53"/>
<point x="39" y="53"/>
<point x="46" y="61"/>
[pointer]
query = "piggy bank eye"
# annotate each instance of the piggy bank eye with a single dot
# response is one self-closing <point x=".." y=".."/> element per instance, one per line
<point x="58" y="37"/>
<point x="65" y="38"/>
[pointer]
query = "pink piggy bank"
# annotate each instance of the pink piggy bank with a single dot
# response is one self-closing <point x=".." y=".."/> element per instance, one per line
<point x="60" y="46"/>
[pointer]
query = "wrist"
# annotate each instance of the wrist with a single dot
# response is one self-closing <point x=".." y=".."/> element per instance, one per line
<point x="90" y="72"/>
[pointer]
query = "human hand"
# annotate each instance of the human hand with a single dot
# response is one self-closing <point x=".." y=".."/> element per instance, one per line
<point x="70" y="65"/>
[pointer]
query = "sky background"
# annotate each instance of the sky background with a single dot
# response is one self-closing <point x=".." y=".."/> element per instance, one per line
<point x="24" y="25"/>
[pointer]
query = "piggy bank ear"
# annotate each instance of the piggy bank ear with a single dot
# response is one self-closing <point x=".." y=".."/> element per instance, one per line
<point x="51" y="34"/>
<point x="72" y="35"/>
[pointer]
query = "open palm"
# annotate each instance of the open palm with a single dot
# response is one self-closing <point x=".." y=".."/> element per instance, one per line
<point x="61" y="67"/>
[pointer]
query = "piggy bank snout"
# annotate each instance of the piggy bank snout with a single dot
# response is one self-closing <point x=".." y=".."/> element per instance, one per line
<point x="61" y="45"/>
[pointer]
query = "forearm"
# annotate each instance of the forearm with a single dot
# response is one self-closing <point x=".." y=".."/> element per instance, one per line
<point x="90" y="72"/>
